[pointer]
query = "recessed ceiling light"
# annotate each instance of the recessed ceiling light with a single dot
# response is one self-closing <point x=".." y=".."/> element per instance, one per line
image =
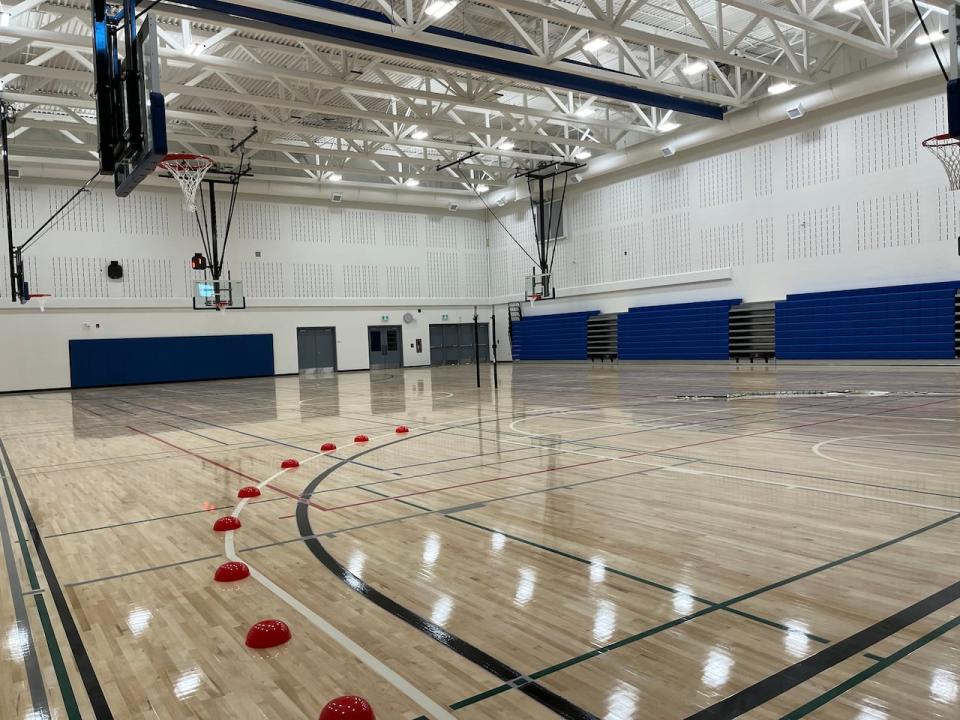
<point x="847" y="5"/>
<point x="483" y="188"/>
<point x="927" y="39"/>
<point x="411" y="182"/>
<point x="439" y="8"/>
<point x="583" y="155"/>
<point x="334" y="177"/>
<point x="419" y="134"/>
<point x="694" y="68"/>
<point x="780" y="87"/>
<point x="593" y="45"/>
<point x="506" y="145"/>
<point x="668" y="126"/>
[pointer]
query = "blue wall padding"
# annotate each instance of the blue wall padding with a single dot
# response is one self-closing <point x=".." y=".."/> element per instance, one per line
<point x="130" y="361"/>
<point x="551" y="337"/>
<point x="898" y="322"/>
<point x="690" y="331"/>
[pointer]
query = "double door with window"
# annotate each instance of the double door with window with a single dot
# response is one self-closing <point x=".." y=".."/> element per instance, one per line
<point x="452" y="344"/>
<point x="386" y="348"/>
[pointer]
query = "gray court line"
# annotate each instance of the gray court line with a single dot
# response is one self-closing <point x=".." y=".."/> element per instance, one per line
<point x="161" y="517"/>
<point x="31" y="662"/>
<point x="141" y="570"/>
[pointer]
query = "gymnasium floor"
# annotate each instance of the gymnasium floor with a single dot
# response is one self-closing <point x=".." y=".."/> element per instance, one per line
<point x="615" y="542"/>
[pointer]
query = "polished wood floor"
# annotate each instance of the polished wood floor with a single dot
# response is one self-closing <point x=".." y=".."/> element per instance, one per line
<point x="642" y="541"/>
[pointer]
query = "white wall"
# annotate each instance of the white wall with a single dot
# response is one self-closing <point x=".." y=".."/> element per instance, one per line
<point x="854" y="202"/>
<point x="849" y="202"/>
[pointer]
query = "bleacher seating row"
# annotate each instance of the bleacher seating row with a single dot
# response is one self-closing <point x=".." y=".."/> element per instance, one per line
<point x="897" y="322"/>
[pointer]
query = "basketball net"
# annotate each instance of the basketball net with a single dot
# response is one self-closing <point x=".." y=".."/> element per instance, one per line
<point x="947" y="150"/>
<point x="188" y="170"/>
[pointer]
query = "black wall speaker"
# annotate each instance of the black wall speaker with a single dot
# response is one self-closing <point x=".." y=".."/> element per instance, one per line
<point x="114" y="270"/>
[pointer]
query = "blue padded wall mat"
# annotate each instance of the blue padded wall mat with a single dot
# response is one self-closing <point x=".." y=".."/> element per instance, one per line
<point x="688" y="331"/>
<point x="893" y="322"/>
<point x="132" y="361"/>
<point x="551" y="337"/>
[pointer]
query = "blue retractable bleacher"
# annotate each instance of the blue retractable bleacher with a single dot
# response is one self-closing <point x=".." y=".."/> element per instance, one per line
<point x="689" y="331"/>
<point x="898" y="322"/>
<point x="551" y="337"/>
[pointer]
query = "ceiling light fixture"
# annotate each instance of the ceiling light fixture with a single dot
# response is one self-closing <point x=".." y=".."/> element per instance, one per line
<point x="419" y="134"/>
<point x="411" y="182"/>
<point x="506" y="145"/>
<point x="582" y="155"/>
<point x="781" y="87"/>
<point x="584" y="111"/>
<point x="483" y="188"/>
<point x="847" y="5"/>
<point x="928" y="6"/>
<point x="927" y="39"/>
<point x="593" y="45"/>
<point x="668" y="126"/>
<point x="439" y="8"/>
<point x="334" y="177"/>
<point x="694" y="68"/>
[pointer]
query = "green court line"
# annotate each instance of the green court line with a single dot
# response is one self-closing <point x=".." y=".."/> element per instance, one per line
<point x="863" y="675"/>
<point x="705" y="611"/>
<point x="50" y="636"/>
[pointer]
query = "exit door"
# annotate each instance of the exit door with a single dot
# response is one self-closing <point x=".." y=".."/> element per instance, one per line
<point x="316" y="349"/>
<point x="385" y="347"/>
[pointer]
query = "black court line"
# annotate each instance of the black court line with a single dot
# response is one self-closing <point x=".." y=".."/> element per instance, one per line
<point x="789" y="678"/>
<point x="552" y="701"/>
<point x="98" y="701"/>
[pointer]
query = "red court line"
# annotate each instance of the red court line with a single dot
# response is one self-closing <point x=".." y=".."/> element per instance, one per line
<point x="227" y="468"/>
<point x="605" y="460"/>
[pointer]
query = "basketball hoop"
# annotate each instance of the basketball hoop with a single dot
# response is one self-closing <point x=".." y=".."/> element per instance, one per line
<point x="42" y="297"/>
<point x="946" y="149"/>
<point x="220" y="306"/>
<point x="188" y="170"/>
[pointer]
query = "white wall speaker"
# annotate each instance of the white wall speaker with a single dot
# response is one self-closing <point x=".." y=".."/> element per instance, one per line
<point x="337" y="197"/>
<point x="796" y="112"/>
<point x="667" y="151"/>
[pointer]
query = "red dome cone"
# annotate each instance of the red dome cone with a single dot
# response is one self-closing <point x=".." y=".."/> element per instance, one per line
<point x="361" y="439"/>
<point x="231" y="572"/>
<point x="268" y="634"/>
<point x="403" y="429"/>
<point x="348" y="707"/>
<point x="248" y="492"/>
<point x="328" y="447"/>
<point x="290" y="463"/>
<point x="226" y="523"/>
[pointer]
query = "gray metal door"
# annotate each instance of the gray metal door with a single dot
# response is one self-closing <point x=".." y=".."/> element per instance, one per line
<point x="386" y="350"/>
<point x="453" y="344"/>
<point x="316" y="349"/>
<point x="436" y="345"/>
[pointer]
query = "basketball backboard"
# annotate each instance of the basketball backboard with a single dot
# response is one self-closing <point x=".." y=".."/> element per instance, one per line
<point x="131" y="110"/>
<point x="219" y="295"/>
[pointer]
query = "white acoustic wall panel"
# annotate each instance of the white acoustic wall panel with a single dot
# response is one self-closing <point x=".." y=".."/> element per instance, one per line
<point x="443" y="233"/>
<point x="401" y="229"/>
<point x="813" y="233"/>
<point x="403" y="281"/>
<point x="309" y="224"/>
<point x="888" y="221"/>
<point x="766" y="243"/>
<point x="443" y="274"/>
<point x="948" y="216"/>
<point x="146" y="278"/>
<point x="625" y="201"/>
<point x="671" y="190"/>
<point x="144" y="215"/>
<point x="358" y="227"/>
<point x="886" y="139"/>
<point x="813" y="157"/>
<point x="763" y="169"/>
<point x="84" y="215"/>
<point x="626" y="251"/>
<point x="256" y="221"/>
<point x="722" y="246"/>
<point x="29" y="205"/>
<point x="671" y="244"/>
<point x="360" y="281"/>
<point x="79" y="277"/>
<point x="720" y="180"/>
<point x="313" y="280"/>
<point x="262" y="279"/>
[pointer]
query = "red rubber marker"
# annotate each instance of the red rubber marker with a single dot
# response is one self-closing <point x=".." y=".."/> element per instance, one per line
<point x="290" y="463"/>
<point x="348" y="707"/>
<point x="361" y="438"/>
<point x="403" y="429"/>
<point x="231" y="572"/>
<point x="226" y="523"/>
<point x="248" y="492"/>
<point x="328" y="447"/>
<point x="268" y="634"/>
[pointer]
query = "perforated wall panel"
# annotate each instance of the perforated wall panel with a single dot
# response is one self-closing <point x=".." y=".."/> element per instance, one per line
<point x="313" y="280"/>
<point x="813" y="233"/>
<point x="813" y="158"/>
<point x="360" y="281"/>
<point x="721" y="180"/>
<point x="722" y="246"/>
<point x="889" y="221"/>
<point x="309" y="224"/>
